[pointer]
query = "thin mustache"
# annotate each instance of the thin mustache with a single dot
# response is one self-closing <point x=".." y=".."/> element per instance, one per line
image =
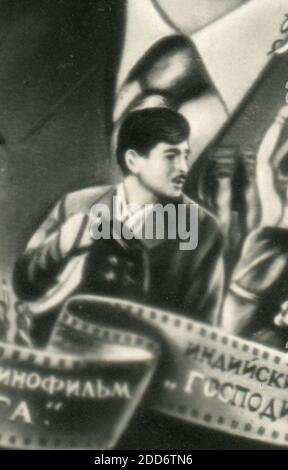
<point x="180" y="178"/>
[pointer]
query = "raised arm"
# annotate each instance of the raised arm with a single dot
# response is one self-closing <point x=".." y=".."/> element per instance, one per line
<point x="264" y="258"/>
<point x="272" y="205"/>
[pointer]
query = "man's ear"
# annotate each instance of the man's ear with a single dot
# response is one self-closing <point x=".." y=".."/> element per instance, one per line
<point x="132" y="161"/>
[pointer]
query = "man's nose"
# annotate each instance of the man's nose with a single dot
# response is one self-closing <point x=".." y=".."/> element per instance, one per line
<point x="182" y="165"/>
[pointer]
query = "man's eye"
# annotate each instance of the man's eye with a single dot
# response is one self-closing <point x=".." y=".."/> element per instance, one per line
<point x="170" y="157"/>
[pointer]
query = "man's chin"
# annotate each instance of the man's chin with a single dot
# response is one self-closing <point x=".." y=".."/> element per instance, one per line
<point x="172" y="195"/>
<point x="177" y="191"/>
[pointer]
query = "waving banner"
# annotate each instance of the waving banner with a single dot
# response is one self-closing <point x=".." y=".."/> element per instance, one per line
<point x="82" y="391"/>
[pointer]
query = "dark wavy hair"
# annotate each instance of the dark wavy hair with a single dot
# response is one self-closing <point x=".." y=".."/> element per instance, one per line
<point x="143" y="129"/>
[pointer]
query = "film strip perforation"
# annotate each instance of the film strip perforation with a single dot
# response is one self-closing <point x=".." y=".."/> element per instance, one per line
<point x="163" y="317"/>
<point x="153" y="315"/>
<point x="43" y="442"/>
<point x="261" y="431"/>
<point x="208" y="418"/>
<point x="46" y="361"/>
<point x="15" y="355"/>
<point x="86" y="327"/>
<point x="234" y="343"/>
<point x="203" y="332"/>
<point x="14" y="440"/>
<point x="111" y="335"/>
<point x="182" y="409"/>
<point x="139" y="341"/>
<point x="116" y="337"/>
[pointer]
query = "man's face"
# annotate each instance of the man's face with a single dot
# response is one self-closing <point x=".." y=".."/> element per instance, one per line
<point x="164" y="170"/>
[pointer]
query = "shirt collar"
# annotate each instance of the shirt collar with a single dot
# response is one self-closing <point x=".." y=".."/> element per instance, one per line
<point x="132" y="215"/>
<point x="135" y="220"/>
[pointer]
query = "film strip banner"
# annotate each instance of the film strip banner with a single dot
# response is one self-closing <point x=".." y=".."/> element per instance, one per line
<point x="207" y="377"/>
<point x="60" y="400"/>
<point x="82" y="391"/>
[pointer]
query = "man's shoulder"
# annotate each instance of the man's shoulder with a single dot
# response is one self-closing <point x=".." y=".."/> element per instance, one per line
<point x="83" y="199"/>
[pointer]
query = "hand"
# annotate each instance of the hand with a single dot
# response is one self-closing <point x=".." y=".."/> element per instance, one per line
<point x="271" y="198"/>
<point x="75" y="234"/>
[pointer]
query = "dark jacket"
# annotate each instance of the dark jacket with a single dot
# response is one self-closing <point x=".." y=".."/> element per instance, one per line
<point x="154" y="272"/>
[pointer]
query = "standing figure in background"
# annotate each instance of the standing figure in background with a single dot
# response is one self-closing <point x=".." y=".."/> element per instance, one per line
<point x="222" y="171"/>
<point x="219" y="189"/>
<point x="252" y="203"/>
<point x="260" y="280"/>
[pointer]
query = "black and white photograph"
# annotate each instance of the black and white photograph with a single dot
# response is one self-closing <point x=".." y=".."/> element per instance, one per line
<point x="144" y="225"/>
